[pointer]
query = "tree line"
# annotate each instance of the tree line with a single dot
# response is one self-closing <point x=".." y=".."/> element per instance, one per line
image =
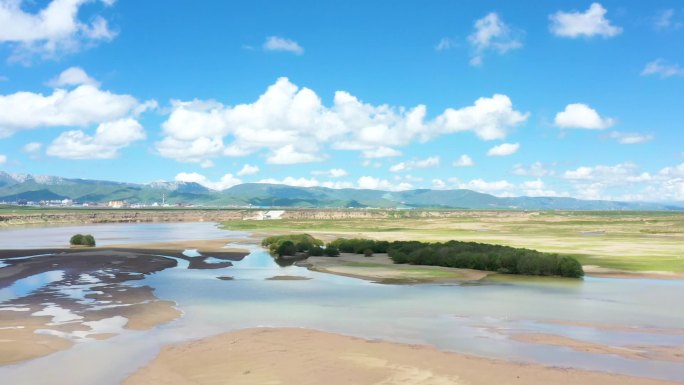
<point x="467" y="255"/>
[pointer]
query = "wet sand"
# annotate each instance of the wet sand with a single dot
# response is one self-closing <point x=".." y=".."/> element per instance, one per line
<point x="302" y="356"/>
<point x="380" y="268"/>
<point x="84" y="295"/>
<point x="657" y="353"/>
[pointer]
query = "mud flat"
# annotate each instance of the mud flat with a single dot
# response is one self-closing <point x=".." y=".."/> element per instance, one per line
<point x="301" y="356"/>
<point x="53" y="298"/>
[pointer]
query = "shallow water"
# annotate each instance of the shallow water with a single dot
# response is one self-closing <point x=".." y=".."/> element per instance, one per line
<point x="110" y="234"/>
<point x="477" y="319"/>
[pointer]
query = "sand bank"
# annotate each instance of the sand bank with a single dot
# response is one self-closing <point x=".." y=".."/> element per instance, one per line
<point x="380" y="268"/>
<point x="300" y="356"/>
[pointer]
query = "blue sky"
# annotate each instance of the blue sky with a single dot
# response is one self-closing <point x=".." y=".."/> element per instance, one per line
<point x="558" y="98"/>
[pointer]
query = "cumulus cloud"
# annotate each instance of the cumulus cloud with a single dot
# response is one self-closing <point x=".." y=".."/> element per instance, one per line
<point x="662" y="68"/>
<point x="109" y="138"/>
<point x="307" y="182"/>
<point x="500" y="187"/>
<point x="372" y="183"/>
<point x="3" y="159"/>
<point x="590" y="23"/>
<point x="381" y="152"/>
<point x="288" y="154"/>
<point x="50" y="32"/>
<point x="226" y="181"/>
<point x="32" y="147"/>
<point x="489" y="118"/>
<point x="579" y="115"/>
<point x="536" y="169"/>
<point x="504" y="149"/>
<point x="492" y="34"/>
<point x="416" y="163"/>
<point x="276" y="43"/>
<point x="81" y="106"/>
<point x="293" y="126"/>
<point x="464" y="161"/>
<point x="332" y="173"/>
<point x="630" y="137"/>
<point x="74" y="76"/>
<point x="248" y="169"/>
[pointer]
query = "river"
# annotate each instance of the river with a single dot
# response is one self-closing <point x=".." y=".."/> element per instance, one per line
<point x="474" y="319"/>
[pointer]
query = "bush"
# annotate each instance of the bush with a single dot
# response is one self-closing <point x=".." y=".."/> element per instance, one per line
<point x="302" y="243"/>
<point x="76" y="240"/>
<point x="82" y="240"/>
<point x="286" y="248"/>
<point x="467" y="255"/>
<point x="316" y="251"/>
<point x="331" y="251"/>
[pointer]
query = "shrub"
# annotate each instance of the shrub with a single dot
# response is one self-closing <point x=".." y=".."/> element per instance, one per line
<point x="82" y="240"/>
<point x="76" y="240"/>
<point x="469" y="255"/>
<point x="331" y="251"/>
<point x="316" y="251"/>
<point x="286" y="248"/>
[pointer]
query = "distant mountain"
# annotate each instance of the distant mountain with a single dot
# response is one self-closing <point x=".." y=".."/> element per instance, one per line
<point x="16" y="187"/>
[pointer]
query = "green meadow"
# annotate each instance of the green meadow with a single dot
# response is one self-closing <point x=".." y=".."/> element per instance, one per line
<point x="634" y="241"/>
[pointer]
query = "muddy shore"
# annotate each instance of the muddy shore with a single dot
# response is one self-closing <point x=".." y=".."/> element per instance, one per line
<point x="79" y="294"/>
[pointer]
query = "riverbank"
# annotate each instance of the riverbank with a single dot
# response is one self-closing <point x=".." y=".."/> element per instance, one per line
<point x="381" y="269"/>
<point x="301" y="356"/>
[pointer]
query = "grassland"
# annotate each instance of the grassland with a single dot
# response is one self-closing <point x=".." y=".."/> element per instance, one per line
<point x="631" y="241"/>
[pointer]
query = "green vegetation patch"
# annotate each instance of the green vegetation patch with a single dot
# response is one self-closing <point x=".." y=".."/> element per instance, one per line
<point x="82" y="240"/>
<point x="469" y="255"/>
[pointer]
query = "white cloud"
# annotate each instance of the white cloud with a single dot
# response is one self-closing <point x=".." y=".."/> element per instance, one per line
<point x="308" y="182"/>
<point x="207" y="164"/>
<point x="289" y="155"/>
<point x="372" y="183"/>
<point x="82" y="106"/>
<point x="73" y="76"/>
<point x="438" y="184"/>
<point x="109" y="138"/>
<point x="489" y="118"/>
<point x="491" y="33"/>
<point x="579" y="115"/>
<point x="504" y="149"/>
<point x="416" y="163"/>
<point x="226" y="181"/>
<point x="51" y="31"/>
<point x="590" y="23"/>
<point x="464" y="161"/>
<point x="630" y="137"/>
<point x="3" y="159"/>
<point x="248" y="169"/>
<point x="32" y="147"/>
<point x="536" y="169"/>
<point x="445" y="44"/>
<point x="662" y="68"/>
<point x="533" y="184"/>
<point x="500" y="187"/>
<point x="381" y="152"/>
<point x="332" y="173"/>
<point x="276" y="43"/>
<point x="665" y="20"/>
<point x="293" y="125"/>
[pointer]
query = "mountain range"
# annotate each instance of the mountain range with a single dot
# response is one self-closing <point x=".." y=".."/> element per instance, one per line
<point x="26" y="187"/>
